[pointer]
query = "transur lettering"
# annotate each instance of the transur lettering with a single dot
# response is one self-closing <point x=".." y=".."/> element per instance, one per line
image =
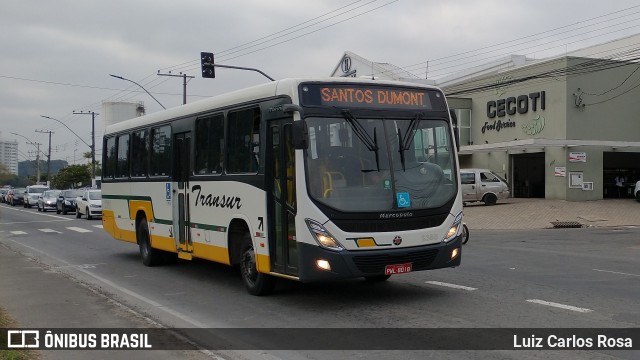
<point x="224" y="201"/>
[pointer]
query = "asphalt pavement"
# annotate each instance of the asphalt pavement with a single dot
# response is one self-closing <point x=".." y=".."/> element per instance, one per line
<point x="39" y="296"/>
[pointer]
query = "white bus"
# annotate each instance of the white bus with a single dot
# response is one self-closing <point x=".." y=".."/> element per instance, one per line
<point x="303" y="179"/>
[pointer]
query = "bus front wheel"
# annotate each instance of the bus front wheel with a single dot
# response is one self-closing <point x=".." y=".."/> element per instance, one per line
<point x="257" y="283"/>
<point x="149" y="255"/>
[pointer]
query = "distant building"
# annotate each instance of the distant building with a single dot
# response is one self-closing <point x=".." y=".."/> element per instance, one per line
<point x="556" y="128"/>
<point x="9" y="154"/>
<point x="117" y="111"/>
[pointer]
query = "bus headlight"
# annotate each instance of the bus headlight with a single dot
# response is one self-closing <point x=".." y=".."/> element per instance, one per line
<point x="322" y="235"/>
<point x="454" y="229"/>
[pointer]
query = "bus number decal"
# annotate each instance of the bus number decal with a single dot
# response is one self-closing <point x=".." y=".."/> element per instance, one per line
<point x="223" y="201"/>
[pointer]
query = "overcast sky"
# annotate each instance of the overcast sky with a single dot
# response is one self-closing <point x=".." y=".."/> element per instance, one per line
<point x="56" y="56"/>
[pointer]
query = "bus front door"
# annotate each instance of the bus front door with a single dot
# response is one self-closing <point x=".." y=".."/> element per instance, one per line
<point x="181" y="223"/>
<point x="281" y="198"/>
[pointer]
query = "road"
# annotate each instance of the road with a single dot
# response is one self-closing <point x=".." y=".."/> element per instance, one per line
<point x="563" y="278"/>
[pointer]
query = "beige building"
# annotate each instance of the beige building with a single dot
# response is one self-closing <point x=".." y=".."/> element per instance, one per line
<point x="557" y="128"/>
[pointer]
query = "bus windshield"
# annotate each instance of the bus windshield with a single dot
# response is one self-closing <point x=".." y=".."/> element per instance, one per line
<point x="380" y="164"/>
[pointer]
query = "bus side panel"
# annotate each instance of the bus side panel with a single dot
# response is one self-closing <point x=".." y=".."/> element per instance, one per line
<point x="211" y="252"/>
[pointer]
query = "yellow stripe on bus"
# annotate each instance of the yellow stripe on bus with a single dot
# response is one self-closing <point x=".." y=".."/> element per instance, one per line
<point x="263" y="263"/>
<point x="211" y="252"/>
<point x="144" y="205"/>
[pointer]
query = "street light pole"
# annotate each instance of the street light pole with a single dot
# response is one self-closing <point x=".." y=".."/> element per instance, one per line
<point x="92" y="147"/>
<point x="49" y="154"/>
<point x="37" y="145"/>
<point x="93" y="139"/>
<point x="125" y="79"/>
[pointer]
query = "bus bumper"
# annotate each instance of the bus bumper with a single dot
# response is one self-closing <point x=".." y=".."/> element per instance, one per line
<point x="363" y="263"/>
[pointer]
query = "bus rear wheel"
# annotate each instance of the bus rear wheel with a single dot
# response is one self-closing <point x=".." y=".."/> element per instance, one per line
<point x="257" y="283"/>
<point x="149" y="255"/>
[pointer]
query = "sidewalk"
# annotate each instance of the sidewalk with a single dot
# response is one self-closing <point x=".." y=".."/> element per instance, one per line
<point x="36" y="296"/>
<point x="520" y="213"/>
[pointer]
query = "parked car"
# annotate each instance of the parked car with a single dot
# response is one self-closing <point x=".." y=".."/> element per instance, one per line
<point x="483" y="185"/>
<point x="47" y="201"/>
<point x="66" y="201"/>
<point x="16" y="196"/>
<point x="89" y="204"/>
<point x="3" y="193"/>
<point x="636" y="191"/>
<point x="32" y="194"/>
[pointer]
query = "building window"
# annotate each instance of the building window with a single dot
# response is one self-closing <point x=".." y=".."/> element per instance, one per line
<point x="464" y="126"/>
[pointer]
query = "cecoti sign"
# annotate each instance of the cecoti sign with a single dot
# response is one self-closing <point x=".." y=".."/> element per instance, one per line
<point x="512" y="105"/>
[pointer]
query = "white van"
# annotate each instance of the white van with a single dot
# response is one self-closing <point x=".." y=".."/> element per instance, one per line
<point x="483" y="185"/>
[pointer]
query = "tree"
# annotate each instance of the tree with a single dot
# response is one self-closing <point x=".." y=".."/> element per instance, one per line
<point x="70" y="176"/>
<point x="87" y="155"/>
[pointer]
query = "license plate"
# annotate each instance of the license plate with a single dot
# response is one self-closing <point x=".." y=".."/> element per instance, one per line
<point x="397" y="269"/>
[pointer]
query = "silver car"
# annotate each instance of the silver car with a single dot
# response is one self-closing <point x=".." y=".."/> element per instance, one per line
<point x="47" y="201"/>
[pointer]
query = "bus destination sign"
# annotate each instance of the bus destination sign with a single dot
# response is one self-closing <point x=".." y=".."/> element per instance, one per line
<point x="355" y="96"/>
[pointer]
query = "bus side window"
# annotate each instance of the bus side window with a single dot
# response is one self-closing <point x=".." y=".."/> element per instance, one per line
<point x="209" y="145"/>
<point x="244" y="141"/>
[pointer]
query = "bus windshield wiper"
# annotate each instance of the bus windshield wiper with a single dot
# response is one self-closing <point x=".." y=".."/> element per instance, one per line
<point x="404" y="142"/>
<point x="363" y="135"/>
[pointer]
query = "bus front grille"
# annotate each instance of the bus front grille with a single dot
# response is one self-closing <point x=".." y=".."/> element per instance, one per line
<point x="387" y="225"/>
<point x="375" y="264"/>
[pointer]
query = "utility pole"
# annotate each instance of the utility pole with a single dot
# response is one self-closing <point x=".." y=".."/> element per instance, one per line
<point x="49" y="154"/>
<point x="37" y="163"/>
<point x="93" y="139"/>
<point x="184" y="83"/>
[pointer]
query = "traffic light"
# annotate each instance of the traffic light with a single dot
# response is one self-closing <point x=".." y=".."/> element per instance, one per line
<point x="206" y="62"/>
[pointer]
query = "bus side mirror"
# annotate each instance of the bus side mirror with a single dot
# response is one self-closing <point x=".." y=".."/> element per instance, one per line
<point x="300" y="135"/>
<point x="456" y="131"/>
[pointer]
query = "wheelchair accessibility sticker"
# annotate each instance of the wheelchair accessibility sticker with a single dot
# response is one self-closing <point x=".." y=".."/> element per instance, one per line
<point x="403" y="199"/>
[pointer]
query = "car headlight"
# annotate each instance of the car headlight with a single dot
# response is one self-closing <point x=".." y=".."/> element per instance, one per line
<point x="67" y="202"/>
<point x="455" y="228"/>
<point x="322" y="236"/>
<point x="94" y="205"/>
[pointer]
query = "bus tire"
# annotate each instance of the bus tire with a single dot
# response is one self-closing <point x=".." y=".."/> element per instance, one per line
<point x="377" y="278"/>
<point x="149" y="255"/>
<point x="257" y="283"/>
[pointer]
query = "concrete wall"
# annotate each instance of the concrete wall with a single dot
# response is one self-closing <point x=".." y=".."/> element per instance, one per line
<point x="614" y="114"/>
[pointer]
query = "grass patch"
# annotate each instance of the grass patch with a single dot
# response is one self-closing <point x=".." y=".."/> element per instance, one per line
<point x="12" y="354"/>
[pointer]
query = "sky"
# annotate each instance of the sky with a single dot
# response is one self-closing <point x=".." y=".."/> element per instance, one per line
<point x="56" y="56"/>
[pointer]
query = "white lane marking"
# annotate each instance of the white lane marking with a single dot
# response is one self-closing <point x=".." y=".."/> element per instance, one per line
<point x="451" y="285"/>
<point x="49" y="231"/>
<point x="18" y="232"/>
<point x="81" y="266"/>
<point x="31" y="222"/>
<point x="615" y="272"/>
<point x="98" y="226"/>
<point x="80" y="230"/>
<point x="40" y="213"/>
<point x="561" y="306"/>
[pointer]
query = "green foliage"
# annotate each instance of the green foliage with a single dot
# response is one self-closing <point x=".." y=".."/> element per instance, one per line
<point x="70" y="176"/>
